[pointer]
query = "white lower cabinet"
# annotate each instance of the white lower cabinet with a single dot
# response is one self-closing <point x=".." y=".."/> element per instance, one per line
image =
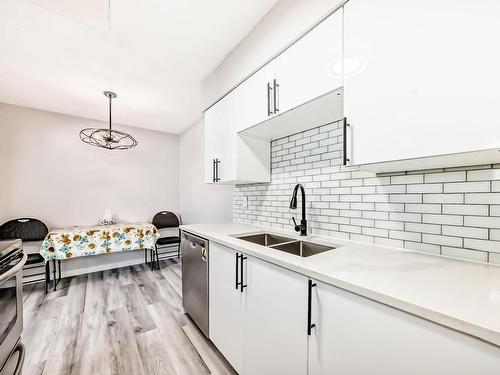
<point x="262" y="329"/>
<point x="227" y="305"/>
<point x="276" y="320"/>
<point x="355" y="335"/>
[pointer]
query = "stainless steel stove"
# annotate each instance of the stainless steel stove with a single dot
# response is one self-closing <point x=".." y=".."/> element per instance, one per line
<point x="12" y="260"/>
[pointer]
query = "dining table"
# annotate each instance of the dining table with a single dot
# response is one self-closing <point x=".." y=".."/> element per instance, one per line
<point x="82" y="241"/>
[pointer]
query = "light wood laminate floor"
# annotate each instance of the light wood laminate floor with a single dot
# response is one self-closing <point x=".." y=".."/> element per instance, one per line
<point x="122" y="321"/>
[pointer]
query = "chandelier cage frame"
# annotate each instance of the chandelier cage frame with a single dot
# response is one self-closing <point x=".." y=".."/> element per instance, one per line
<point x="109" y="139"/>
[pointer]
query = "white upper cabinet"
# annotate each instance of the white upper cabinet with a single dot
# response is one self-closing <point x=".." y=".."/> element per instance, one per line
<point x="312" y="66"/>
<point x="421" y="79"/>
<point x="255" y="97"/>
<point x="229" y="157"/>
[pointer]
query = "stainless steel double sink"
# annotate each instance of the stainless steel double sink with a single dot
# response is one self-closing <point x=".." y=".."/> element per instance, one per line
<point x="285" y="244"/>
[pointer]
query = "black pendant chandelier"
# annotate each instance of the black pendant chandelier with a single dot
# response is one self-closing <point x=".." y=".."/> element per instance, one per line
<point x="108" y="138"/>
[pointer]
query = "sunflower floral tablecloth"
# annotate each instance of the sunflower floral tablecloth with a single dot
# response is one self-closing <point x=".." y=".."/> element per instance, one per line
<point x="87" y="241"/>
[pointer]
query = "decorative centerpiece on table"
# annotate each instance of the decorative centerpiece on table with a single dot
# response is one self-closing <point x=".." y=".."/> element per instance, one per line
<point x="107" y="219"/>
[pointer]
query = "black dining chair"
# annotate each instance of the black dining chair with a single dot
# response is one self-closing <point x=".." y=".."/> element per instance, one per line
<point x="164" y="220"/>
<point x="32" y="232"/>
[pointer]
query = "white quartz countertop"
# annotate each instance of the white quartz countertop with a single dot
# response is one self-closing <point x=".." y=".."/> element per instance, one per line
<point x="462" y="295"/>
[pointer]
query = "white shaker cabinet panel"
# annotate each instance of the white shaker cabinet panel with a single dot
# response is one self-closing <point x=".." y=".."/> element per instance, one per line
<point x="220" y="141"/>
<point x="227" y="305"/>
<point x="355" y="335"/>
<point x="254" y="98"/>
<point x="312" y="66"/>
<point x="421" y="78"/>
<point x="276" y="320"/>
<point x="238" y="159"/>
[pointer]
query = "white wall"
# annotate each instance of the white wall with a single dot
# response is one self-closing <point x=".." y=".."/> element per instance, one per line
<point x="199" y="202"/>
<point x="47" y="172"/>
<point x="286" y="21"/>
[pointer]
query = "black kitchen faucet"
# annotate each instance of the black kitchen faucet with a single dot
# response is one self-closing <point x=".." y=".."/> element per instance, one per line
<point x="302" y="227"/>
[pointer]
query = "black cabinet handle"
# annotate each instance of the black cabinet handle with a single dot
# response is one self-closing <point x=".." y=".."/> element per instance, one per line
<point x="344" y="142"/>
<point x="213" y="170"/>
<point x="237" y="277"/>
<point x="269" y="113"/>
<point x="275" y="96"/>
<point x="217" y="178"/>
<point x="242" y="286"/>
<point x="310" y="325"/>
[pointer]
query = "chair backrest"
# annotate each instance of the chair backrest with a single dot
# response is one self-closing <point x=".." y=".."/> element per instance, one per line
<point x="165" y="219"/>
<point x="26" y="229"/>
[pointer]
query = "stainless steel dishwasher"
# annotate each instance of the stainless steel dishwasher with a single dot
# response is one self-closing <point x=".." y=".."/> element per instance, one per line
<point x="195" y="279"/>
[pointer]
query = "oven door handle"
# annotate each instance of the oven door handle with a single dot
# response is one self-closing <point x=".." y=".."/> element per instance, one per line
<point x="14" y="270"/>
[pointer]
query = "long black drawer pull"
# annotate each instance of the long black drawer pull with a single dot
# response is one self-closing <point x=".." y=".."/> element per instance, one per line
<point x="217" y="162"/>
<point x="269" y="112"/>
<point x="275" y="96"/>
<point x="310" y="325"/>
<point x="213" y="170"/>
<point x="242" y="286"/>
<point x="237" y="271"/>
<point x="344" y="142"/>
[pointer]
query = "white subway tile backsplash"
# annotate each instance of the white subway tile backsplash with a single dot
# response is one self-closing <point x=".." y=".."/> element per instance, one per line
<point x="407" y="179"/>
<point x="443" y="198"/>
<point x="423" y="208"/>
<point x="425" y="188"/>
<point x="494" y="234"/>
<point x="494" y="258"/>
<point x="423" y="228"/>
<point x="424" y="247"/>
<point x="483" y="175"/>
<point x="405" y="198"/>
<point x="402" y="235"/>
<point x="389" y="242"/>
<point x="482" y="198"/>
<point x="455" y="252"/>
<point x="494" y="211"/>
<point x="469" y="232"/>
<point x="454" y="212"/>
<point x="482" y="221"/>
<point x="387" y="224"/>
<point x="467" y="187"/>
<point x="445" y="177"/>
<point x="375" y="215"/>
<point x="442" y="240"/>
<point x="463" y="209"/>
<point x="399" y="216"/>
<point x="491" y="246"/>
<point x="443" y="219"/>
<point x="376" y="232"/>
<point x="390" y="189"/>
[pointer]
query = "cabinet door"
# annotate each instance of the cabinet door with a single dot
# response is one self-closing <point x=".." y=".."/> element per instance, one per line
<point x="421" y="77"/>
<point x="313" y="65"/>
<point x="212" y="142"/>
<point x="227" y="305"/>
<point x="220" y="140"/>
<point x="254" y="100"/>
<point x="355" y="335"/>
<point x="276" y="320"/>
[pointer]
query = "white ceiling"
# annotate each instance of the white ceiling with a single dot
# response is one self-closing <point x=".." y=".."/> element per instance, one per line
<point x="60" y="55"/>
